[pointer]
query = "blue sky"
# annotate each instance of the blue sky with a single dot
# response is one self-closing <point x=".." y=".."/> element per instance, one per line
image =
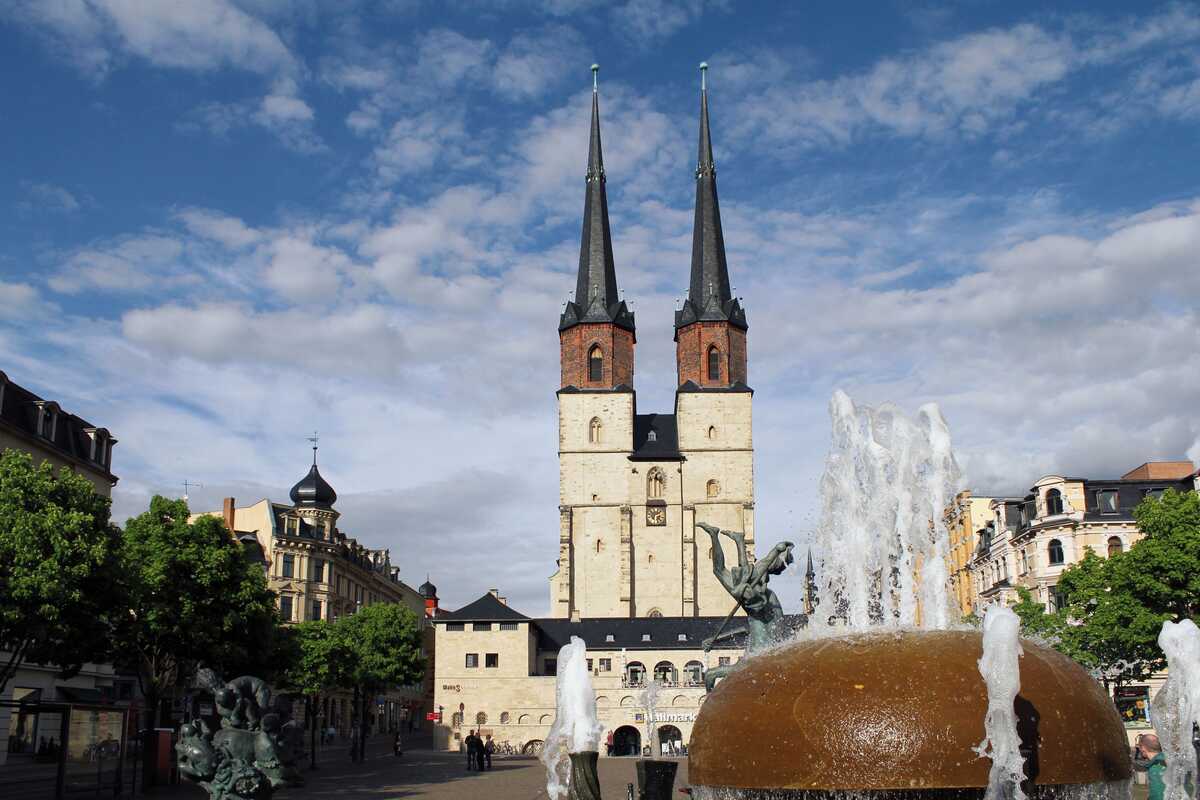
<point x="230" y="223"/>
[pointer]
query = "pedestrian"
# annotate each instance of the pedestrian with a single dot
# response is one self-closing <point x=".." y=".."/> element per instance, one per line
<point x="470" y="745"/>
<point x="1151" y="761"/>
<point x="478" y="743"/>
<point x="608" y="743"/>
<point x="396" y="749"/>
<point x="488" y="749"/>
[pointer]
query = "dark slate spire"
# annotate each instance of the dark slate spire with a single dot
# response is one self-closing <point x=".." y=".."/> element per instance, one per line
<point x="709" y="294"/>
<point x="312" y="490"/>
<point x="596" y="298"/>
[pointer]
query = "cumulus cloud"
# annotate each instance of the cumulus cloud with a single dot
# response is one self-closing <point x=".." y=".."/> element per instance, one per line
<point x="129" y="264"/>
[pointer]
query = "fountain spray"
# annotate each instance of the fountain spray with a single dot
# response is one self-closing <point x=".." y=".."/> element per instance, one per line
<point x="1176" y="707"/>
<point x="1001" y="671"/>
<point x="573" y="744"/>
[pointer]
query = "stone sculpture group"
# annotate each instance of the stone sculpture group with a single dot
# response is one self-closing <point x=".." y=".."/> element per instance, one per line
<point x="255" y="749"/>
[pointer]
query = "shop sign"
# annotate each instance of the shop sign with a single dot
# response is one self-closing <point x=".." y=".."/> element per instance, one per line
<point x="678" y="717"/>
<point x="451" y="687"/>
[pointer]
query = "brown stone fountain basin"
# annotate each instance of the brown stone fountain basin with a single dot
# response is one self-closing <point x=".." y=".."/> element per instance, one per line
<point x="897" y="711"/>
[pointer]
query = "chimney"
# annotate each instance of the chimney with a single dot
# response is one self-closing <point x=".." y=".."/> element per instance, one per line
<point x="503" y="600"/>
<point x="494" y="593"/>
<point x="227" y="511"/>
<point x="575" y="615"/>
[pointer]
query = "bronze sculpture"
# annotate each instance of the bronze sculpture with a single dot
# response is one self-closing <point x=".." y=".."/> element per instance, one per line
<point x="255" y="749"/>
<point x="747" y="584"/>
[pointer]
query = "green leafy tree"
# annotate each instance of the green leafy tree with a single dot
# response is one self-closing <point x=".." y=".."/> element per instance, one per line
<point x="1035" y="621"/>
<point x="384" y="641"/>
<point x="317" y="659"/>
<point x="57" y="567"/>
<point x="190" y="597"/>
<point x="1163" y="570"/>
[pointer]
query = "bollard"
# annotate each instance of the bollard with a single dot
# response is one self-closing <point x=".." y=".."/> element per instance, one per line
<point x="656" y="779"/>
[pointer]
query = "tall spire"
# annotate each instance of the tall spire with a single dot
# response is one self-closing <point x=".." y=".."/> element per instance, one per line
<point x="596" y="296"/>
<point x="709" y="293"/>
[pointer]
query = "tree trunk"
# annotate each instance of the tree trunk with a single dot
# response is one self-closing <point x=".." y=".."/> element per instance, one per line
<point x="311" y="706"/>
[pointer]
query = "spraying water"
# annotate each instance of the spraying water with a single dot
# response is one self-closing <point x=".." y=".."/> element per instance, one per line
<point x="1001" y="673"/>
<point x="882" y="538"/>
<point x="576" y="727"/>
<point x="1176" y="707"/>
<point x="650" y="703"/>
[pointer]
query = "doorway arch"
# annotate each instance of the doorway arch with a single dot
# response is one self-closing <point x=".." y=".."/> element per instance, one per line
<point x="627" y="741"/>
<point x="670" y="741"/>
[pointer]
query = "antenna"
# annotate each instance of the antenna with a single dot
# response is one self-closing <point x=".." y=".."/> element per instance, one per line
<point x="314" y="439"/>
<point x="190" y="485"/>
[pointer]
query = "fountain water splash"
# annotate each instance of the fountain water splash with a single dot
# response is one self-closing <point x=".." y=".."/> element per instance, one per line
<point x="576" y="727"/>
<point x="882" y="539"/>
<point x="1001" y="673"/>
<point x="1176" y="707"/>
<point x="649" y="700"/>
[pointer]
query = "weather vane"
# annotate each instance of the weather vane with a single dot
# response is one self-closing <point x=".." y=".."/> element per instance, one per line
<point x="314" y="439"/>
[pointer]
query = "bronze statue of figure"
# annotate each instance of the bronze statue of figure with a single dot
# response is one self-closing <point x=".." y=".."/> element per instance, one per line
<point x="747" y="584"/>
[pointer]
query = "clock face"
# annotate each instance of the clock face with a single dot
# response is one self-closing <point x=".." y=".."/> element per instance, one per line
<point x="656" y="515"/>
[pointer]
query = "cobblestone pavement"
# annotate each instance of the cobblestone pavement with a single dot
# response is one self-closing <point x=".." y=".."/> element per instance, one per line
<point x="432" y="775"/>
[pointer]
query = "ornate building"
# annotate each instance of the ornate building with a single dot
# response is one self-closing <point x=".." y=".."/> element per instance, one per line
<point x="632" y="486"/>
<point x="318" y="572"/>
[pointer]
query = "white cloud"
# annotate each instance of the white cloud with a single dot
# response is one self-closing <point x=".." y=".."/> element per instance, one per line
<point x="48" y="197"/>
<point x="129" y="264"/>
<point x="533" y="61"/>
<point x="228" y="231"/>
<point x="304" y="272"/>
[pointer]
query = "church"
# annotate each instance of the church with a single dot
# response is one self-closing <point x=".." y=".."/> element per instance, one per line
<point x="635" y="575"/>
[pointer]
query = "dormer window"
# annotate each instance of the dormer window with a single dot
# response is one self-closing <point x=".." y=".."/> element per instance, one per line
<point x="47" y="420"/>
<point x="645" y="637"/>
<point x="608" y="637"/>
<point x="653" y="437"/>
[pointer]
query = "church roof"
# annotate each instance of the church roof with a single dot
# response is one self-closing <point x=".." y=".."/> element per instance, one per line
<point x="710" y="297"/>
<point x="485" y="609"/>
<point x="596" y="296"/>
<point x="655" y="438"/>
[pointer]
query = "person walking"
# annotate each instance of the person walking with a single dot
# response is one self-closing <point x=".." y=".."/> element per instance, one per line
<point x="1151" y="761"/>
<point x="397" y="751"/>
<point x="469" y="742"/>
<point x="478" y="746"/>
<point x="488" y="749"/>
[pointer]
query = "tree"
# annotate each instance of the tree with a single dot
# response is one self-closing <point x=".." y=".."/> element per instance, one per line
<point x="57" y="567"/>
<point x="318" y="659"/>
<point x="1163" y="569"/>
<point x="189" y="597"/>
<point x="1034" y="619"/>
<point x="384" y="641"/>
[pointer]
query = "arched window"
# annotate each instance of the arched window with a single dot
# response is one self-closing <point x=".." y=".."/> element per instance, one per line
<point x="654" y="612"/>
<point x="1054" y="503"/>
<point x="1115" y="545"/>
<point x="599" y="545"/>
<point x="523" y="719"/>
<point x="714" y="363"/>
<point x="504" y="717"/>
<point x="656" y="483"/>
<point x="712" y="431"/>
<point x="694" y="673"/>
<point x="481" y="718"/>
<point x="595" y="363"/>
<point x="635" y="674"/>
<point x="1055" y="550"/>
<point x="713" y="488"/>
<point x="594" y="428"/>
<point x="664" y="672"/>
<point x="456" y="719"/>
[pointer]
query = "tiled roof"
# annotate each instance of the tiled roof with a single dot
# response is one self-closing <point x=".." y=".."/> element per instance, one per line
<point x="19" y="411"/>
<point x="485" y="609"/>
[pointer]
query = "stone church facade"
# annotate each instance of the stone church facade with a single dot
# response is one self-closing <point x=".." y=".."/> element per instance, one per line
<point x="634" y="579"/>
<point x="632" y="486"/>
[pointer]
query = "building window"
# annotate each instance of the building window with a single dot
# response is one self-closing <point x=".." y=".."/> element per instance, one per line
<point x="1155" y="493"/>
<point x="594" y="430"/>
<point x="713" y="488"/>
<point x="454" y="626"/>
<point x="551" y="666"/>
<point x="491" y="660"/>
<point x="723" y="661"/>
<point x="289" y="565"/>
<point x="318" y="570"/>
<point x="693" y="672"/>
<point x="654" y="612"/>
<point x="481" y="626"/>
<point x="508" y="626"/>
<point x="595" y="363"/>
<point x="635" y="673"/>
<point x="504" y="717"/>
<point x="456" y="719"/>
<point x="1106" y="501"/>
<point x="1058" y="600"/>
<point x="606" y="665"/>
<point x="714" y="363"/>
<point x="481" y="718"/>
<point x="316" y="609"/>
<point x="1054" y="503"/>
<point x="589" y="665"/>
<point x="1115" y="545"/>
<point x="285" y="607"/>
<point x="1055" y="551"/>
<point x="472" y="660"/>
<point x="664" y="672"/>
<point x="656" y="483"/>
<point x="645" y="637"/>
<point x="608" y="637"/>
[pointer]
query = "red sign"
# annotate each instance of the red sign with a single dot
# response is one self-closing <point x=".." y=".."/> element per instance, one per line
<point x="433" y="716"/>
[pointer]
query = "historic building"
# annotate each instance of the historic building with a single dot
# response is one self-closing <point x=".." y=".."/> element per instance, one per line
<point x="1030" y="540"/>
<point x="49" y="433"/>
<point x="318" y="572"/>
<point x="967" y="515"/>
<point x="634" y="580"/>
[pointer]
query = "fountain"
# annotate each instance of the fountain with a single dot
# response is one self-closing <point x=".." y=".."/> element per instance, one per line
<point x="1176" y="707"/>
<point x="573" y="744"/>
<point x="883" y="697"/>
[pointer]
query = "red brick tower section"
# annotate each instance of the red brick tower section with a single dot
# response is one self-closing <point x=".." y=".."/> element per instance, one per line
<point x="596" y="331"/>
<point x="710" y="329"/>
